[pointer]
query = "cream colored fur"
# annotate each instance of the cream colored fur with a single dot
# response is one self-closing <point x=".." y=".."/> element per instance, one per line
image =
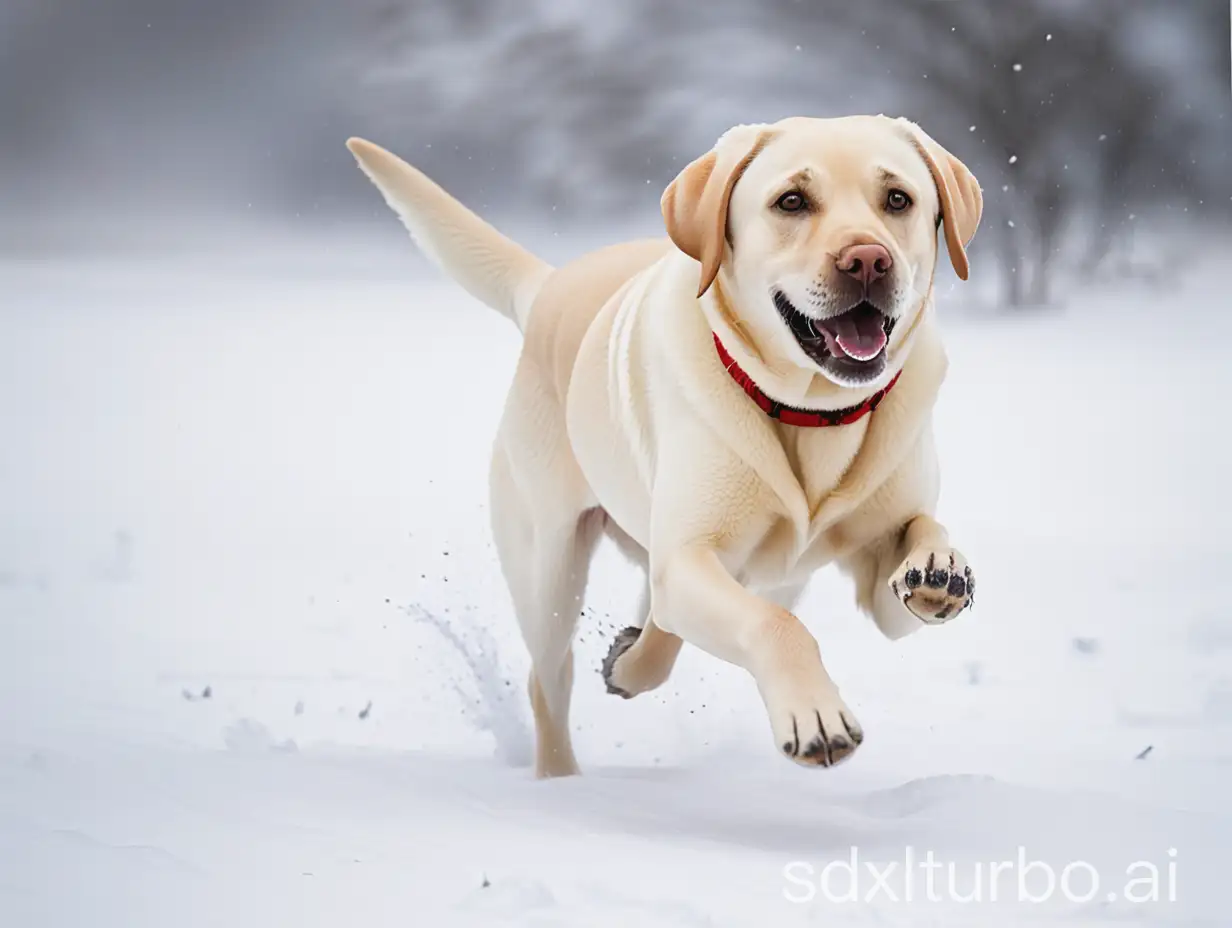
<point x="622" y="419"/>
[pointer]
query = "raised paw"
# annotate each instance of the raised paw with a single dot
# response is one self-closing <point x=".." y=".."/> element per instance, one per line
<point x="624" y="641"/>
<point x="816" y="730"/>
<point x="935" y="585"/>
<point x="639" y="660"/>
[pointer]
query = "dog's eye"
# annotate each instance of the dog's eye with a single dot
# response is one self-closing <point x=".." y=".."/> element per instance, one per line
<point x="897" y="201"/>
<point x="791" y="202"/>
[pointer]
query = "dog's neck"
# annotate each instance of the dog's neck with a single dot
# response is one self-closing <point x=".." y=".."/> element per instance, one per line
<point x="791" y="415"/>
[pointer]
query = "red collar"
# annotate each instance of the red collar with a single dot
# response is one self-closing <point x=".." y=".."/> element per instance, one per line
<point x="790" y="415"/>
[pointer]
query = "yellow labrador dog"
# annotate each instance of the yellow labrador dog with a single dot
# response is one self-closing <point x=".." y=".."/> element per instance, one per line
<point x="737" y="407"/>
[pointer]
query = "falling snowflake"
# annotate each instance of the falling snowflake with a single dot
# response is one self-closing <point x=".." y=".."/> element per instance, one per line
<point x="1017" y="67"/>
<point x="1013" y="159"/>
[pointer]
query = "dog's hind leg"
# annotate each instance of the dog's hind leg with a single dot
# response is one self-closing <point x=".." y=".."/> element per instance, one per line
<point x="545" y="532"/>
<point x="643" y="655"/>
<point x="640" y="659"/>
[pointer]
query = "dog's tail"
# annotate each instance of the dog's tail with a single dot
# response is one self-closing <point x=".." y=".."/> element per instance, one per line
<point x="490" y="267"/>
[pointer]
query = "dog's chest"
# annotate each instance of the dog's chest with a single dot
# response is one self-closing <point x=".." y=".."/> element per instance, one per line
<point x="819" y="457"/>
<point x="791" y="549"/>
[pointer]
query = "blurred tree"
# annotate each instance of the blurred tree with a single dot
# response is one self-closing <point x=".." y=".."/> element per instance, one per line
<point x="508" y="90"/>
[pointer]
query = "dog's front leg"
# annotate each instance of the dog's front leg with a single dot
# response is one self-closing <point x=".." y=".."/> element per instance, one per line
<point x="696" y="598"/>
<point x="934" y="581"/>
<point x="912" y="578"/>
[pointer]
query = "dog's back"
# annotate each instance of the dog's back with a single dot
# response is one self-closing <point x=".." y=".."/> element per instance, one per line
<point x="573" y="296"/>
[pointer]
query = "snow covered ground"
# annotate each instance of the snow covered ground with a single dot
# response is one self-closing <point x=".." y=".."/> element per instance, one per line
<point x="257" y="665"/>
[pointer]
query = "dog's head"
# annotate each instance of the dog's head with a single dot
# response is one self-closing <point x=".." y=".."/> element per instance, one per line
<point x="823" y="235"/>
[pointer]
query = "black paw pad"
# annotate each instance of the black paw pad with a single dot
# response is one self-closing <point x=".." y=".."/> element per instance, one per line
<point x="914" y="578"/>
<point x="970" y="582"/>
<point x="957" y="587"/>
<point x="624" y="641"/>
<point x="816" y="748"/>
<point x="840" y="749"/>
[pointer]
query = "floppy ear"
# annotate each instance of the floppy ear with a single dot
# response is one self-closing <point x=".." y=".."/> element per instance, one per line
<point x="962" y="202"/>
<point x="695" y="203"/>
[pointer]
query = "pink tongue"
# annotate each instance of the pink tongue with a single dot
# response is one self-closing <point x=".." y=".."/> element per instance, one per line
<point x="860" y="335"/>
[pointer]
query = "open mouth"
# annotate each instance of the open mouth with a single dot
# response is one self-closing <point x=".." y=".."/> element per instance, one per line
<point x="850" y="348"/>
